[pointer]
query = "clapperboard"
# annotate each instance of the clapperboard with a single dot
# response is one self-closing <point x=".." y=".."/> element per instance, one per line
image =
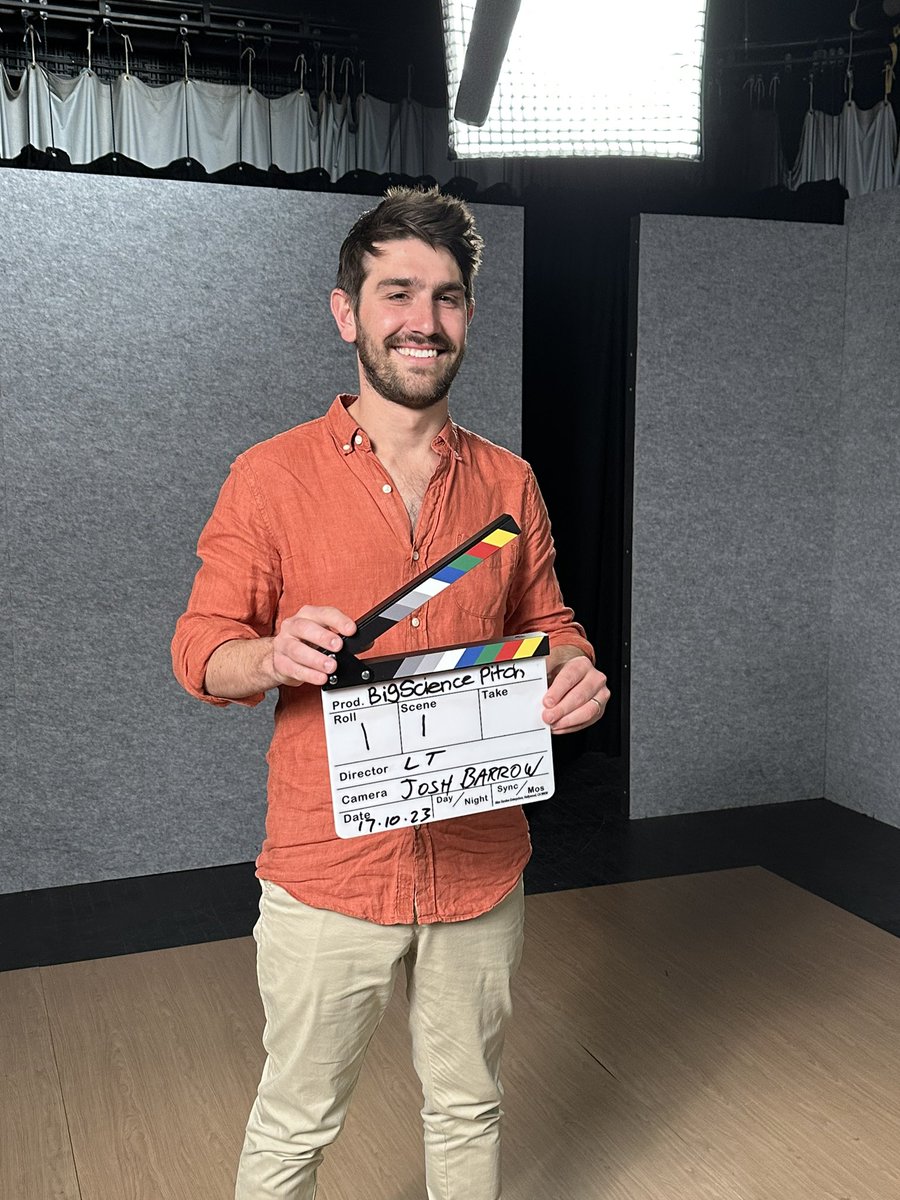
<point x="440" y="733"/>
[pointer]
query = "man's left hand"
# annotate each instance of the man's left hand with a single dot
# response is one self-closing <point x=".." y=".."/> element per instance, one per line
<point x="578" y="695"/>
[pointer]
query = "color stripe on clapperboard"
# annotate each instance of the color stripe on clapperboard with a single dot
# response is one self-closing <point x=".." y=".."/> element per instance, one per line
<point x="448" y="574"/>
<point x="468" y="656"/>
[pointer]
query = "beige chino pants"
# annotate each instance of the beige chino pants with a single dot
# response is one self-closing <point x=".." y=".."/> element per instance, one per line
<point x="325" y="981"/>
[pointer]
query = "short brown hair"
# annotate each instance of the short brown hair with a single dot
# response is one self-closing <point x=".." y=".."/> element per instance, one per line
<point x="443" y="222"/>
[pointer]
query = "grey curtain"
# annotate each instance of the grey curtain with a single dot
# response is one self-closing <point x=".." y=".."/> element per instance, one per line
<point x="219" y="125"/>
<point x="857" y="146"/>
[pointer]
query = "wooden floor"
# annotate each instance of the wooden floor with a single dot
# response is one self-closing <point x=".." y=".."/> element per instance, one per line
<point x="704" y="1037"/>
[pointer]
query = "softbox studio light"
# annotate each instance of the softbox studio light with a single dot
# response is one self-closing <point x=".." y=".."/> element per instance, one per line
<point x="578" y="77"/>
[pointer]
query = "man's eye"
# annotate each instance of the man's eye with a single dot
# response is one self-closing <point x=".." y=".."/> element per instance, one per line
<point x="451" y="298"/>
<point x="398" y="296"/>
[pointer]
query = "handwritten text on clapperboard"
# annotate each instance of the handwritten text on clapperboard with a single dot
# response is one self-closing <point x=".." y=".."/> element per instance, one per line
<point x="430" y="747"/>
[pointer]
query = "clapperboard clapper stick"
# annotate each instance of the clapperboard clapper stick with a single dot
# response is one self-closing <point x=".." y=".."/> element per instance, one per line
<point x="351" y="671"/>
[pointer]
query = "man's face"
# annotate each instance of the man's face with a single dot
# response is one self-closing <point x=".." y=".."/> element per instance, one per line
<point x="410" y="323"/>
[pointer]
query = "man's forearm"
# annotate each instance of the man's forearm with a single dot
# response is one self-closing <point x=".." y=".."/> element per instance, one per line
<point x="241" y="668"/>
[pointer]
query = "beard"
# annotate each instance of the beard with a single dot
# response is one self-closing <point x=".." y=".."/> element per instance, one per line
<point x="418" y="392"/>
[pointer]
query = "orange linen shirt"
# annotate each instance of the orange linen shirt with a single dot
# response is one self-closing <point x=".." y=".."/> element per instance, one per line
<point x="312" y="517"/>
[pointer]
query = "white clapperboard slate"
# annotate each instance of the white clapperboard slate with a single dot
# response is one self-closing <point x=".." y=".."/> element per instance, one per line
<point x="440" y="733"/>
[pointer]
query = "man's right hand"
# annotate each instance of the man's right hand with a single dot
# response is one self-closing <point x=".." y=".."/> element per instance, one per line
<point x="245" y="667"/>
<point x="297" y="648"/>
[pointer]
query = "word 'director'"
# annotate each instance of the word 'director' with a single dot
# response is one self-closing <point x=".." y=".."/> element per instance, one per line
<point x="432" y="747"/>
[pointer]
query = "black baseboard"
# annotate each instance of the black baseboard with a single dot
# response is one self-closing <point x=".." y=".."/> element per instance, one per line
<point x="580" y="840"/>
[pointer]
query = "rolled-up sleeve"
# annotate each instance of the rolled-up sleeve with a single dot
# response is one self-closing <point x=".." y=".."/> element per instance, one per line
<point x="237" y="587"/>
<point x="535" y="601"/>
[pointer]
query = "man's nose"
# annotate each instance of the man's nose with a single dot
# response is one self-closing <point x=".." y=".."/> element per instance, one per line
<point x="423" y="316"/>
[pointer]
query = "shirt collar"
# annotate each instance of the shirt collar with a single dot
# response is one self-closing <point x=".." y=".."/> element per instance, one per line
<point x="350" y="437"/>
<point x="448" y="441"/>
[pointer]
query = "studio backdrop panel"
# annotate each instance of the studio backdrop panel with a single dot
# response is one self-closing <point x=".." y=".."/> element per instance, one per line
<point x="739" y="328"/>
<point x="149" y="332"/>
<point x="864" y="665"/>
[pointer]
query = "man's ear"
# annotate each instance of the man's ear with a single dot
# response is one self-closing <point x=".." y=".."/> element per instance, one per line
<point x="470" y="312"/>
<point x="344" y="316"/>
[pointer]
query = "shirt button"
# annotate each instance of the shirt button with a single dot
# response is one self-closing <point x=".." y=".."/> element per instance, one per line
<point x="415" y="556"/>
<point x="387" y="488"/>
<point x="415" y="622"/>
<point x="358" y="439"/>
<point x="346" y="447"/>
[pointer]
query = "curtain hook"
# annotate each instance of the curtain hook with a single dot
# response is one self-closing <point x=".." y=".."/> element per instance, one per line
<point x="252" y="54"/>
<point x="128" y="47"/>
<point x="301" y="60"/>
<point x="90" y="34"/>
<point x="409" y="79"/>
<point x="31" y="34"/>
<point x="348" y="69"/>
<point x="889" y="72"/>
<point x="362" y="73"/>
<point x="186" y="49"/>
<point x="848" y="77"/>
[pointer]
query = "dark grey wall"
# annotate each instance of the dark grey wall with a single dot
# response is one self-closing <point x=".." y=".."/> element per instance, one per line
<point x="864" y="676"/>
<point x="738" y="380"/>
<point x="150" y="331"/>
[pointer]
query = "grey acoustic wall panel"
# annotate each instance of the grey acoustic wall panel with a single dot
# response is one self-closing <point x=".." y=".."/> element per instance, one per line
<point x="738" y="362"/>
<point x="864" y="677"/>
<point x="150" y="331"/>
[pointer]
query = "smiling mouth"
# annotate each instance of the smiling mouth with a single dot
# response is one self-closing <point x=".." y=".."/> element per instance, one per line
<point x="418" y="351"/>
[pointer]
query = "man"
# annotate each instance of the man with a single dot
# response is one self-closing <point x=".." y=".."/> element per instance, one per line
<point x="310" y="527"/>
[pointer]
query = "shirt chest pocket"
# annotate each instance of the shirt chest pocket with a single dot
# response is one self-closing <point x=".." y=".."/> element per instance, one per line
<point x="483" y="590"/>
